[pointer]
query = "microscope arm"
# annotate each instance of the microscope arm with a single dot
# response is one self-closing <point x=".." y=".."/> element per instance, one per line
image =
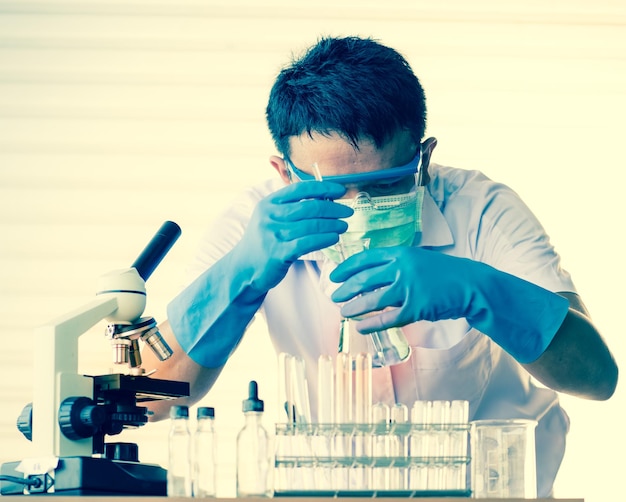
<point x="57" y="378"/>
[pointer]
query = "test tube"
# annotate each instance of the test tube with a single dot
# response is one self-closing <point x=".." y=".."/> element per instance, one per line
<point x="342" y="451"/>
<point x="343" y="391"/>
<point x="304" y="447"/>
<point x="344" y="336"/>
<point x="316" y="172"/>
<point x="360" y="475"/>
<point x="418" y="444"/>
<point x="343" y="388"/>
<point x="440" y="418"/>
<point x="399" y="446"/>
<point x="440" y="412"/>
<point x="399" y="413"/>
<point x="439" y="445"/>
<point x="421" y="412"/>
<point x="322" y="440"/>
<point x="285" y="395"/>
<point x="285" y="437"/>
<point x="363" y="388"/>
<point x="459" y="418"/>
<point x="344" y="253"/>
<point x="325" y="390"/>
<point x="381" y="414"/>
<point x="362" y="415"/>
<point x="300" y="391"/>
<point x="380" y="446"/>
<point x="459" y="412"/>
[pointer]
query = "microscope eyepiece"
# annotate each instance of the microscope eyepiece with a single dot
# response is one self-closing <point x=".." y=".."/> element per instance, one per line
<point x="156" y="249"/>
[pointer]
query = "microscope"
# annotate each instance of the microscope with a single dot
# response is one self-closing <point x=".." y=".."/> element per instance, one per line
<point x="71" y="414"/>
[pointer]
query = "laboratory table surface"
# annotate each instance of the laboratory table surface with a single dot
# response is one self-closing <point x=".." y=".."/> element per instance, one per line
<point x="61" y="498"/>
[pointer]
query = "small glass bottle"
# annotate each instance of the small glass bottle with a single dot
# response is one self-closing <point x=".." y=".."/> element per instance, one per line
<point x="253" y="450"/>
<point x="179" y="443"/>
<point x="204" y="461"/>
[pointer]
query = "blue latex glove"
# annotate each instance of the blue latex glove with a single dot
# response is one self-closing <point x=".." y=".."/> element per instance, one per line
<point x="210" y="316"/>
<point x="419" y="284"/>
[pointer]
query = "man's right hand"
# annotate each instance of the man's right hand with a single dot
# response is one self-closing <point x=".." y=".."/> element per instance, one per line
<point x="210" y="316"/>
<point x="291" y="222"/>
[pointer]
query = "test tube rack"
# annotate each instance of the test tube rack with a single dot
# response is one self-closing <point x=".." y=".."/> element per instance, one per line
<point x="382" y="459"/>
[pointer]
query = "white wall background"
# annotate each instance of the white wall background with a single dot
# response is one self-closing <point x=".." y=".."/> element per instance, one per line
<point x="117" y="115"/>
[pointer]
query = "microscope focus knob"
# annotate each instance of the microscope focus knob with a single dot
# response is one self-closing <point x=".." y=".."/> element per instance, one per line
<point x="80" y="418"/>
<point x="25" y="421"/>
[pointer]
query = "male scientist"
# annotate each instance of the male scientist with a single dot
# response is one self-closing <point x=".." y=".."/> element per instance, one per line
<point x="454" y="259"/>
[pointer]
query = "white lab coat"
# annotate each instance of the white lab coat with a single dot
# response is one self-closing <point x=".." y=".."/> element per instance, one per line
<point x="465" y="214"/>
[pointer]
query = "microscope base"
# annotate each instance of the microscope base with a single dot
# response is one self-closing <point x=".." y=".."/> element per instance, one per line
<point x="96" y="477"/>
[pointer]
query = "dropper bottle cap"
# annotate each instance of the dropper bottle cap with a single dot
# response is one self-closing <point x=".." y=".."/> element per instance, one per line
<point x="179" y="412"/>
<point x="205" y="412"/>
<point x="253" y="403"/>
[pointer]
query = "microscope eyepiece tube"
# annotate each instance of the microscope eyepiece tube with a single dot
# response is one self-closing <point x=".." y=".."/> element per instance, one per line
<point x="156" y="249"/>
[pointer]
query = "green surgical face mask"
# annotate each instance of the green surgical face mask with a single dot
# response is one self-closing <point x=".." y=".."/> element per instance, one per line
<point x="382" y="221"/>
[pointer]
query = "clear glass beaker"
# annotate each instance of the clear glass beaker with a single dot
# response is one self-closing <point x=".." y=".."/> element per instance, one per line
<point x="387" y="347"/>
<point x="503" y="458"/>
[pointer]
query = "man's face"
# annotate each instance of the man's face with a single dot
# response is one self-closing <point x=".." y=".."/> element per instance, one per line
<point x="328" y="156"/>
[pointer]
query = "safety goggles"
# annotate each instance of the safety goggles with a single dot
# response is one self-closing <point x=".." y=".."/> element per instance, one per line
<point x="392" y="181"/>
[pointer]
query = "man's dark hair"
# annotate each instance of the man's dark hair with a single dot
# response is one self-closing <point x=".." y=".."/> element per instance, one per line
<point x="354" y="86"/>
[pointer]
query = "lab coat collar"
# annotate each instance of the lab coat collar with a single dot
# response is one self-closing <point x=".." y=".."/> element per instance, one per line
<point x="435" y="229"/>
